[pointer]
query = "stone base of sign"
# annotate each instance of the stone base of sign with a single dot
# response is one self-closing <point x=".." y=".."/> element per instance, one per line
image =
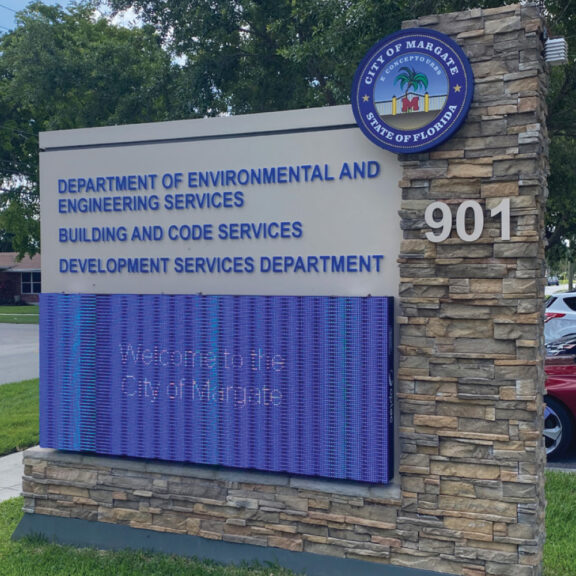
<point x="301" y="523"/>
<point x="73" y="532"/>
<point x="468" y="497"/>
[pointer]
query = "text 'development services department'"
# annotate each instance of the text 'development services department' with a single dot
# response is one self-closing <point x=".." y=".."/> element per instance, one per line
<point x="321" y="264"/>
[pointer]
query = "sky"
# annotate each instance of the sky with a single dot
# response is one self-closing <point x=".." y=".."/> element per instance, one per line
<point x="8" y="9"/>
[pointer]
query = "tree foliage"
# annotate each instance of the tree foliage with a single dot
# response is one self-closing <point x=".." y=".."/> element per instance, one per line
<point x="62" y="69"/>
<point x="266" y="55"/>
<point x="561" y="206"/>
<point x="67" y="69"/>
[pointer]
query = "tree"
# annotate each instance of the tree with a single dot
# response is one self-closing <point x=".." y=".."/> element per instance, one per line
<point x="265" y="55"/>
<point x="409" y="78"/>
<point x="246" y="56"/>
<point x="561" y="205"/>
<point x="19" y="203"/>
<point x="63" y="69"/>
<point x="6" y="242"/>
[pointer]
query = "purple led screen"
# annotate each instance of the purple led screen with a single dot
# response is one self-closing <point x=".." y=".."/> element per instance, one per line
<point x="300" y="385"/>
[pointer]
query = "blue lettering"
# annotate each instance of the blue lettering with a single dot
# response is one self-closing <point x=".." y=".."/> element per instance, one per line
<point x="316" y="173"/>
<point x="265" y="264"/>
<point x="324" y="264"/>
<point x="294" y="174"/>
<point x="243" y="177"/>
<point x="230" y="178"/>
<point x="269" y="176"/>
<point x="365" y="264"/>
<point x="191" y="232"/>
<point x="227" y="265"/>
<point x="273" y="226"/>
<point x="338" y="263"/>
<point x="195" y="201"/>
<point x="297" y="229"/>
<point x="170" y="180"/>
<point x="299" y="267"/>
<point x="345" y="171"/>
<point x="147" y="233"/>
<point x="203" y="178"/>
<point x="373" y="169"/>
<point x="360" y="170"/>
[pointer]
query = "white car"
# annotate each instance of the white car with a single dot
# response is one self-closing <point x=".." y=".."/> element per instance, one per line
<point x="560" y="316"/>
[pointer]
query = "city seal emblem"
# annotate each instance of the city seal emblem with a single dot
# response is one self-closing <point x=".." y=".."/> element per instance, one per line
<point x="412" y="90"/>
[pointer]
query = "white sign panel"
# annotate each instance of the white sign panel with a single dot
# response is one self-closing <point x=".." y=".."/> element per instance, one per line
<point x="295" y="203"/>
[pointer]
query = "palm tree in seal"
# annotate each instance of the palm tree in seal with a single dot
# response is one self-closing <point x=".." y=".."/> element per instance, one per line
<point x="410" y="79"/>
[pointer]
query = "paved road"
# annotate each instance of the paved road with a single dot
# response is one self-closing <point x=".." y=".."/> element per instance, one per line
<point x="567" y="462"/>
<point x="553" y="289"/>
<point x="19" y="352"/>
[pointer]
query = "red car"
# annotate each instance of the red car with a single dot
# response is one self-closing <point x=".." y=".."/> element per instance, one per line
<point x="560" y="411"/>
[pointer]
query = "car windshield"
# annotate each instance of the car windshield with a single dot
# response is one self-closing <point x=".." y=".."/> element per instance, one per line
<point x="550" y="301"/>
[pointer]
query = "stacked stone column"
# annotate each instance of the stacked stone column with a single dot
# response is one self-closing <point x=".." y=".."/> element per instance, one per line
<point x="471" y="358"/>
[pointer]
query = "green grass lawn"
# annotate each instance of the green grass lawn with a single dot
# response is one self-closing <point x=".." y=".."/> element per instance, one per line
<point x="30" y="557"/>
<point x="560" y="547"/>
<point x="19" y="314"/>
<point x="19" y="425"/>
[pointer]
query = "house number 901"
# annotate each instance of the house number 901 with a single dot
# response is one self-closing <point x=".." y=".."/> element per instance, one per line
<point x="468" y="209"/>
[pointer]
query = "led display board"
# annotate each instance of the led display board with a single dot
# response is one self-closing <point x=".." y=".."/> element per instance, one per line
<point x="221" y="292"/>
<point x="276" y="383"/>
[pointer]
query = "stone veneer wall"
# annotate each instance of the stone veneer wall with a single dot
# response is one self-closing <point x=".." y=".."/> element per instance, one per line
<point x="471" y="328"/>
<point x="468" y="496"/>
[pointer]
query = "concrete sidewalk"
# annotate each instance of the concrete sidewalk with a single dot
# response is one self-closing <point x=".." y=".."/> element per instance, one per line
<point x="11" y="471"/>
